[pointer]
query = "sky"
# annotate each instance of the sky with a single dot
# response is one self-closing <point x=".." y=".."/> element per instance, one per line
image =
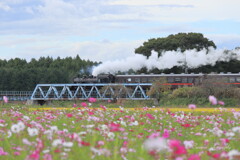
<point x="105" y="30"/>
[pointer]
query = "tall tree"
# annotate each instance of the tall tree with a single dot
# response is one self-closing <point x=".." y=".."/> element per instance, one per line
<point x="182" y="41"/>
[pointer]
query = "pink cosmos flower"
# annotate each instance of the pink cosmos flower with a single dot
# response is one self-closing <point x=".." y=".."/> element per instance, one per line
<point x="212" y="100"/>
<point x="194" y="157"/>
<point x="92" y="100"/>
<point x="192" y="106"/>
<point x="176" y="147"/>
<point x="114" y="127"/>
<point x="17" y="153"/>
<point x="35" y="155"/>
<point x="100" y="143"/>
<point x="103" y="107"/>
<point x="90" y="113"/>
<point x="221" y="103"/>
<point x="5" y="99"/>
<point x="206" y="142"/>
<point x="2" y="153"/>
<point x="74" y="105"/>
<point x="69" y="115"/>
<point x="224" y="141"/>
<point x="47" y="157"/>
<point x="154" y="135"/>
<point x="84" y="104"/>
<point x="26" y="141"/>
<point x="149" y="116"/>
<point x="165" y="133"/>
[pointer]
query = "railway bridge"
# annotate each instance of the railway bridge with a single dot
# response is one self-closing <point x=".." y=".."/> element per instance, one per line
<point x="135" y="91"/>
<point x="49" y="92"/>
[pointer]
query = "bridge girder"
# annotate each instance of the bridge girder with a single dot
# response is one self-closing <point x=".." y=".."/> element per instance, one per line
<point x="134" y="91"/>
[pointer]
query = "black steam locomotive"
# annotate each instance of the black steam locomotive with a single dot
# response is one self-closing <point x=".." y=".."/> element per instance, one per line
<point x="101" y="78"/>
<point x="172" y="79"/>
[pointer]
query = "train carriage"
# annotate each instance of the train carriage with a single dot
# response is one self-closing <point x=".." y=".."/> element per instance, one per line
<point x="175" y="80"/>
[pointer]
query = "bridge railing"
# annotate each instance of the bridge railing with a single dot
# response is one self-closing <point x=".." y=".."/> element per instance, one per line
<point x="16" y="95"/>
<point x="85" y="91"/>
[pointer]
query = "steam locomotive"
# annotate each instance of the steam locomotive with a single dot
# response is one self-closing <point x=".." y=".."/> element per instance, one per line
<point x="172" y="79"/>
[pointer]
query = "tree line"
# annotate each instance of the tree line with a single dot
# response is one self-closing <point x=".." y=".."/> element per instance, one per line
<point x="19" y="75"/>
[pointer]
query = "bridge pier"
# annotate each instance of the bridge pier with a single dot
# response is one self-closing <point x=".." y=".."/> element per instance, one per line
<point x="38" y="102"/>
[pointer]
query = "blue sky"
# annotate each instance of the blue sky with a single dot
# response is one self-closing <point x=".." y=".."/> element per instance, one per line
<point x="103" y="30"/>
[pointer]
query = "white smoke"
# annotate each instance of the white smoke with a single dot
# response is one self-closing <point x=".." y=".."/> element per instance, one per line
<point x="168" y="59"/>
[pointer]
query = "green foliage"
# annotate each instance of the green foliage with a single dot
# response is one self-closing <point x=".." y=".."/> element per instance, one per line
<point x="20" y="75"/>
<point x="182" y="41"/>
<point x="216" y="86"/>
<point x="187" y="92"/>
<point x="208" y="87"/>
<point x="177" y="101"/>
<point x="159" y="88"/>
<point x="236" y="93"/>
<point x="220" y="66"/>
<point x="199" y="101"/>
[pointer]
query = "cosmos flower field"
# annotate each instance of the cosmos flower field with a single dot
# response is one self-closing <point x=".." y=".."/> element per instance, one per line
<point x="83" y="132"/>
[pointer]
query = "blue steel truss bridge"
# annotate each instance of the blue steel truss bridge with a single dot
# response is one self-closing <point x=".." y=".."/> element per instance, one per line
<point x="135" y="91"/>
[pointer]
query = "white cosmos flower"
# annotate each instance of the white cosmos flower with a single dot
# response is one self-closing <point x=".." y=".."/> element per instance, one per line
<point x="89" y="126"/>
<point x="135" y="123"/>
<point x="67" y="144"/>
<point x="32" y="131"/>
<point x="26" y="118"/>
<point x="236" y="129"/>
<point x="54" y="128"/>
<point x="111" y="135"/>
<point x="56" y="142"/>
<point x="67" y="149"/>
<point x="103" y="127"/>
<point x="9" y="134"/>
<point x="3" y="125"/>
<point x="82" y="133"/>
<point x="46" y="151"/>
<point x="123" y="123"/>
<point x="233" y="154"/>
<point x="26" y="141"/>
<point x="158" y="144"/>
<point x="188" y="144"/>
<point x="21" y="125"/>
<point x="230" y="134"/>
<point x="15" y="128"/>
<point x="218" y="132"/>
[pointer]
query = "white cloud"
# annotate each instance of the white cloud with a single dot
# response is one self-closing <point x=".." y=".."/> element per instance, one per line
<point x="148" y="2"/>
<point x="93" y="20"/>
<point x="229" y="41"/>
<point x="35" y="47"/>
<point x="81" y="17"/>
<point x="105" y="50"/>
<point x="193" y="10"/>
<point x="4" y="7"/>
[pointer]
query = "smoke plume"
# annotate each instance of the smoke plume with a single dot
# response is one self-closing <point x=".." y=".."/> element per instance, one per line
<point x="168" y="59"/>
